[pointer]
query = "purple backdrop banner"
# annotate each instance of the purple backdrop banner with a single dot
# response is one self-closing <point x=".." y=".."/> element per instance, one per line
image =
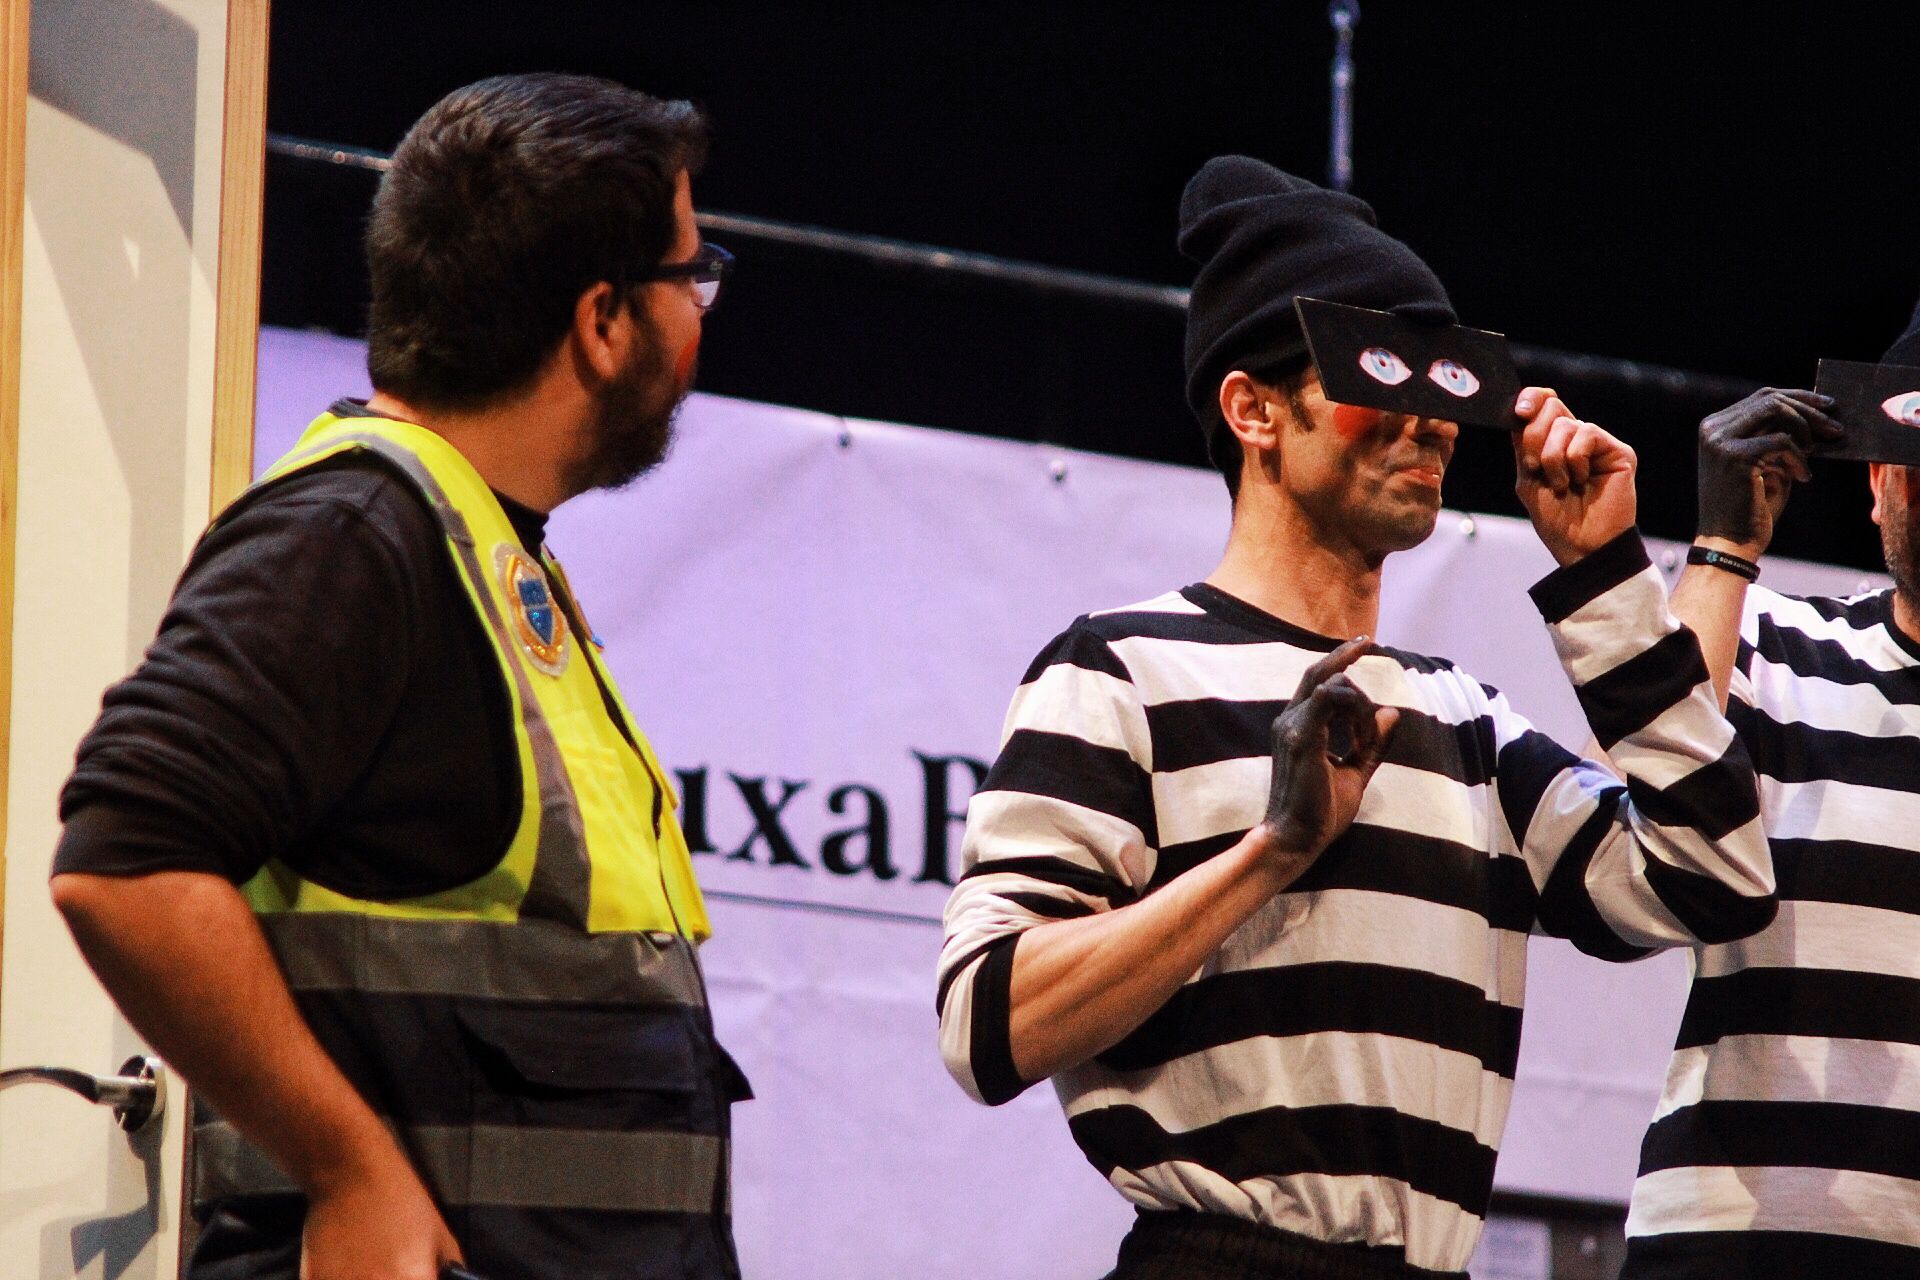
<point x="819" y="623"/>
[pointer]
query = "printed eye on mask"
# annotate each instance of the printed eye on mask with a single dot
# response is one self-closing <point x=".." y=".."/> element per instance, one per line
<point x="1381" y="361"/>
<point x="1879" y="405"/>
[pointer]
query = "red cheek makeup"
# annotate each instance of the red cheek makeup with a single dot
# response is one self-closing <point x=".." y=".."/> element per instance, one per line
<point x="1352" y="421"/>
<point x="683" y="366"/>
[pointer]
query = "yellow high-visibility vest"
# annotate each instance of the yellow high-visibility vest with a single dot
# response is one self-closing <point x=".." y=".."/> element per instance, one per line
<point x="538" y="1038"/>
<point x="591" y="801"/>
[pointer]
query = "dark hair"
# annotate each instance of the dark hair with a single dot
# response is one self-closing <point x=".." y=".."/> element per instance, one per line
<point x="1289" y="378"/>
<point x="507" y="200"/>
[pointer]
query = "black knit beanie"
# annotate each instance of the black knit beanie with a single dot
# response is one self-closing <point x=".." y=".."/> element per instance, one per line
<point x="1262" y="238"/>
<point x="1906" y="348"/>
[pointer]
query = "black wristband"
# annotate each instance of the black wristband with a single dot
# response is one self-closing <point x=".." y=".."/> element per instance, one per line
<point x="1722" y="560"/>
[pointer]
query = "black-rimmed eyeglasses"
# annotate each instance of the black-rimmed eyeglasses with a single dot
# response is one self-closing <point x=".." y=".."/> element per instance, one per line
<point x="704" y="271"/>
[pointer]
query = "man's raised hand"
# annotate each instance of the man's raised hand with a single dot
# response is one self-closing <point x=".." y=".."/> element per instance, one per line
<point x="1575" y="480"/>
<point x="1326" y="745"/>
<point x="1751" y="452"/>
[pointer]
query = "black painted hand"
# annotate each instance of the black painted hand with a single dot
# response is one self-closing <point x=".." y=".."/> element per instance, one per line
<point x="1326" y="745"/>
<point x="1750" y="455"/>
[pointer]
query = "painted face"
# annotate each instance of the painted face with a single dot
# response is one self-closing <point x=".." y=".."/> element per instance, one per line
<point x="1353" y="421"/>
<point x="1368" y="477"/>
<point x="685" y="363"/>
<point x="675" y="313"/>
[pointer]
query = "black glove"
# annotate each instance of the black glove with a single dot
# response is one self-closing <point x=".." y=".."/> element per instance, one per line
<point x="1770" y="430"/>
<point x="1326" y="745"/>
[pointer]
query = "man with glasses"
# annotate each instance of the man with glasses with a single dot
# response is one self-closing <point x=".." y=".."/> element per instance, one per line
<point x="368" y="847"/>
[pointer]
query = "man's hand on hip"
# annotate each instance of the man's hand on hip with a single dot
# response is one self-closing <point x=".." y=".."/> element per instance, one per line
<point x="184" y="958"/>
<point x="376" y="1225"/>
<point x="1575" y="480"/>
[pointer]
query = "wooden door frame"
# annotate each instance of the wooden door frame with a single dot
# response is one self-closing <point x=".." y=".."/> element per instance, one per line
<point x="237" y="291"/>
<point x="14" y="29"/>
<point x="236" y="339"/>
<point x="237" y="288"/>
<point x="236" y="315"/>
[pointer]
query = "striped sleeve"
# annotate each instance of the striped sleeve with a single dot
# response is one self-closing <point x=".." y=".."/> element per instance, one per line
<point x="1063" y="827"/>
<point x="1678" y="855"/>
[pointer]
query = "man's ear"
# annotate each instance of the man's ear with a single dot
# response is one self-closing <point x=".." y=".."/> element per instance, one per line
<point x="1249" y="411"/>
<point x="1877" y="481"/>
<point x="599" y="320"/>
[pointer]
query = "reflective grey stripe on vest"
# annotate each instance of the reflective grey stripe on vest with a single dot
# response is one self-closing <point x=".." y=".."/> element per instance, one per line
<point x="527" y="1168"/>
<point x="558" y="889"/>
<point x="527" y="960"/>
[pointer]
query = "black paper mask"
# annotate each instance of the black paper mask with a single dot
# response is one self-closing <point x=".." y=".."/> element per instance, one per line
<point x="1879" y="405"/>
<point x="1380" y="361"/>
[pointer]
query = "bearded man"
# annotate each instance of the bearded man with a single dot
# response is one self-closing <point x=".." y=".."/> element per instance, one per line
<point x="1787" y="1142"/>
<point x="368" y="847"/>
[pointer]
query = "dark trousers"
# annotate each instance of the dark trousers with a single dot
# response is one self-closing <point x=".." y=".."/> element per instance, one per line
<point x="258" y="1238"/>
<point x="1211" y="1246"/>
<point x="254" y="1239"/>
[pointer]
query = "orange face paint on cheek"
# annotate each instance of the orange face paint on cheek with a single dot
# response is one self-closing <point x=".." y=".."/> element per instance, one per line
<point x="1352" y="421"/>
<point x="683" y="366"/>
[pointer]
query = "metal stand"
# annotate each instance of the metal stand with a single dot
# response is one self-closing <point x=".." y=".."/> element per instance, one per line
<point x="1344" y="15"/>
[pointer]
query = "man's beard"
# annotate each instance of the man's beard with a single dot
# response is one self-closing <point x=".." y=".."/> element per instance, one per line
<point x="1897" y="540"/>
<point x="632" y="427"/>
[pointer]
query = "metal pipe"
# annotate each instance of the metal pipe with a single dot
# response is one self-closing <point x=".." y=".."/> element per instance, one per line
<point x="881" y="251"/>
<point x="1344" y="15"/>
<point x="1545" y="364"/>
<point x="1548" y="366"/>
<point x="335" y="153"/>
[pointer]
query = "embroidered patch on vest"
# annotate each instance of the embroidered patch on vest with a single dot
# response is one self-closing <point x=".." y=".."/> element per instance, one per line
<point x="537" y="619"/>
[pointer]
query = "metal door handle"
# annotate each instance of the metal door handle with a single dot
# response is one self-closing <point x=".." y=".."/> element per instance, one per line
<point x="136" y="1095"/>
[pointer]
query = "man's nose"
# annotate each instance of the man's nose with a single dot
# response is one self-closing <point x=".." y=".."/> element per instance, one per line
<point x="1435" y="431"/>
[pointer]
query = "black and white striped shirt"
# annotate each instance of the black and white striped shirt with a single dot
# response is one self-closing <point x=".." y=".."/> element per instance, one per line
<point x="1787" y="1142"/>
<point x="1343" y="1066"/>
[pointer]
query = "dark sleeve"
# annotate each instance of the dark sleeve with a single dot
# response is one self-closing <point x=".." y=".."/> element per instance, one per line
<point x="276" y="671"/>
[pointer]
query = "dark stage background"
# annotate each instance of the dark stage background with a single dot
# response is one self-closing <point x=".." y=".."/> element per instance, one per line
<point x="1729" y="189"/>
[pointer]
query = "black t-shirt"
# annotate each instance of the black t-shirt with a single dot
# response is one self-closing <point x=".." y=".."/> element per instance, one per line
<point x="321" y="690"/>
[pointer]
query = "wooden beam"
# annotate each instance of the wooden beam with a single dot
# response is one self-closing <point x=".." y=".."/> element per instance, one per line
<point x="236" y="334"/>
<point x="13" y="219"/>
<point x="243" y="166"/>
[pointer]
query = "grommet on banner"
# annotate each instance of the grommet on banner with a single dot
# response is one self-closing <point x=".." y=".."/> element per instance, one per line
<point x="1669" y="559"/>
<point x="846" y="437"/>
<point x="1058" y="470"/>
<point x="1467" y="527"/>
